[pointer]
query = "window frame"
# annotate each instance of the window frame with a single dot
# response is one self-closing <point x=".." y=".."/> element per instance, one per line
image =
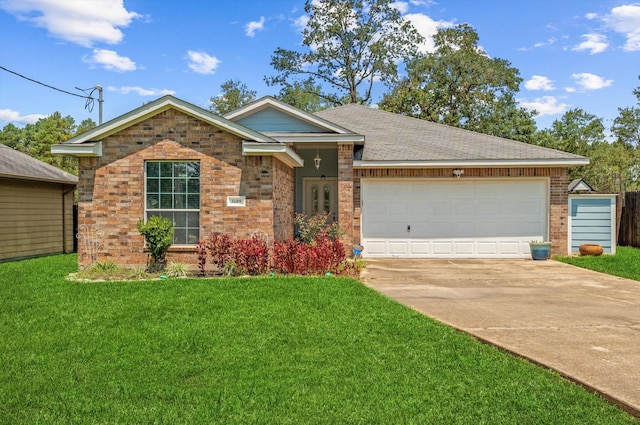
<point x="173" y="210"/>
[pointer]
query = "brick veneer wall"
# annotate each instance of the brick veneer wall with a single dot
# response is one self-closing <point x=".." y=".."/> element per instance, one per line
<point x="111" y="188"/>
<point x="558" y="194"/>
<point x="283" y="204"/>
<point x="346" y="194"/>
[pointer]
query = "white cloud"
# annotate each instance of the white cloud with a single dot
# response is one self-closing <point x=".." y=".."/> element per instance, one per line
<point x="549" y="42"/>
<point x="588" y="81"/>
<point x="594" y="43"/>
<point x="140" y="91"/>
<point x="591" y="16"/>
<point x="427" y="28"/>
<point x="110" y="60"/>
<point x="538" y="82"/>
<point x="7" y="115"/>
<point x="626" y="20"/>
<point x="401" y="6"/>
<point x="545" y="105"/>
<point x="253" y="26"/>
<point x="202" y="63"/>
<point x="80" y="22"/>
<point x="301" y="23"/>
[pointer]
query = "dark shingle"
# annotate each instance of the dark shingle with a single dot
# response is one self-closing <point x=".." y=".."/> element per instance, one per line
<point x="17" y="165"/>
<point x="395" y="137"/>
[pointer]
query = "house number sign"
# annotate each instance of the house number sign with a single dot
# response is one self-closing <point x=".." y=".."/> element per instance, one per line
<point x="236" y="201"/>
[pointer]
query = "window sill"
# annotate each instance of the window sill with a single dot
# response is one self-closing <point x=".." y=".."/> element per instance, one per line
<point x="183" y="248"/>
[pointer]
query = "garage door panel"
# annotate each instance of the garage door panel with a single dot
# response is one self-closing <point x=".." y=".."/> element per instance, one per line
<point x="490" y="218"/>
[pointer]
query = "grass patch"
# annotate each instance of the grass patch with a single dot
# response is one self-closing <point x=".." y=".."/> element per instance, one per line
<point x="254" y="350"/>
<point x="626" y="262"/>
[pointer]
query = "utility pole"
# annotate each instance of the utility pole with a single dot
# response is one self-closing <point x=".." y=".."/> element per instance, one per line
<point x="99" y="87"/>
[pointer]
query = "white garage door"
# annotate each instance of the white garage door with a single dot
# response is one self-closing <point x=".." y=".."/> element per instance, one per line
<point x="465" y="218"/>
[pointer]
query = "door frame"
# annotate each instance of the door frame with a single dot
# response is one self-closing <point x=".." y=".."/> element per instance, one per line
<point x="307" y="182"/>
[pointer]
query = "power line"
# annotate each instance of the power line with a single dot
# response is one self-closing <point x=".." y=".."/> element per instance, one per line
<point x="43" y="84"/>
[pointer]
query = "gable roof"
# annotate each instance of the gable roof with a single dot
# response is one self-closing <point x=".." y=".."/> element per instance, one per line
<point x="160" y="105"/>
<point x="394" y="140"/>
<point x="271" y="102"/>
<point x="90" y="142"/>
<point x="17" y="165"/>
<point x="579" y="185"/>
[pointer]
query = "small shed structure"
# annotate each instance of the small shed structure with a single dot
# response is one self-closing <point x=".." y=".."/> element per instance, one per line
<point x="592" y="218"/>
<point x="36" y="207"/>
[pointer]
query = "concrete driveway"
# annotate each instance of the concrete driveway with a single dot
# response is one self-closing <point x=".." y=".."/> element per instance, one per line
<point x="583" y="324"/>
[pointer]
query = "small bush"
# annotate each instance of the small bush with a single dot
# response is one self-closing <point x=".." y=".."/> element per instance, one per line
<point x="322" y="256"/>
<point x="310" y="228"/>
<point x="176" y="269"/>
<point x="158" y="235"/>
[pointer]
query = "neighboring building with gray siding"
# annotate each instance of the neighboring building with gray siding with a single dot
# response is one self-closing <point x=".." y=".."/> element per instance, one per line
<point x="36" y="207"/>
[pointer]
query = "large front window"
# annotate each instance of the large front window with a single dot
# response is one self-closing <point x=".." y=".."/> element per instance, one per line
<point x="172" y="190"/>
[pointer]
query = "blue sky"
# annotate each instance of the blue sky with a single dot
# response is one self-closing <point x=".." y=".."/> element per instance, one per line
<point x="570" y="53"/>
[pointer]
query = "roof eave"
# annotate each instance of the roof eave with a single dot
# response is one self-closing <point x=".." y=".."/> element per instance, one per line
<point x="560" y="162"/>
<point x="319" y="138"/>
<point x="279" y="150"/>
<point x="67" y="182"/>
<point x="83" y="149"/>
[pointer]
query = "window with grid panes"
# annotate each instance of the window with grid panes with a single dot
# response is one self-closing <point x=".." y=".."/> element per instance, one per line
<point x="172" y="190"/>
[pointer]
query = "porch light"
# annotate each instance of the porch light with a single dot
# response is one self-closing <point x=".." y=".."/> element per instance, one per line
<point x="458" y="172"/>
<point x="317" y="160"/>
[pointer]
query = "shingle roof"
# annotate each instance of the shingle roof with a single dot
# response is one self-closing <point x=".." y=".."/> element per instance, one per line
<point x="395" y="137"/>
<point x="17" y="165"/>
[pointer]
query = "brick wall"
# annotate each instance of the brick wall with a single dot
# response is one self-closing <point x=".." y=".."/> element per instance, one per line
<point x="346" y="194"/>
<point x="283" y="190"/>
<point x="558" y="195"/>
<point x="111" y="189"/>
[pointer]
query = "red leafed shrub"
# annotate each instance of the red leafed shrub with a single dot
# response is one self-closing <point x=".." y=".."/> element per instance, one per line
<point x="220" y="247"/>
<point x="254" y="257"/>
<point x="202" y="258"/>
<point x="322" y="256"/>
<point x="251" y="256"/>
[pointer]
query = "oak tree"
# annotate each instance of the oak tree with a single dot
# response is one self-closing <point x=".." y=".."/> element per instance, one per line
<point x="348" y="46"/>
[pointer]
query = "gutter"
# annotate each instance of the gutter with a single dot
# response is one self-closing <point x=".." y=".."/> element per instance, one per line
<point x="479" y="163"/>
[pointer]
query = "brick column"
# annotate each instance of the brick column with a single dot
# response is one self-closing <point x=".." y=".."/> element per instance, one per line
<point x="559" y="204"/>
<point x="345" y="193"/>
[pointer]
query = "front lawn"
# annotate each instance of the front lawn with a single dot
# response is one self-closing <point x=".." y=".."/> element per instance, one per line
<point x="626" y="262"/>
<point x="254" y="351"/>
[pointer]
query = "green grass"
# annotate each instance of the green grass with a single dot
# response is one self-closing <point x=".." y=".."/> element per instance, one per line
<point x="254" y="351"/>
<point x="626" y="262"/>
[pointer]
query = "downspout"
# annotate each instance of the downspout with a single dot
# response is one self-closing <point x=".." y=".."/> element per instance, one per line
<point x="64" y="219"/>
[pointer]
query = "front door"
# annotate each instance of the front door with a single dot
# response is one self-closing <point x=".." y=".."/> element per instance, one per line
<point x="320" y="195"/>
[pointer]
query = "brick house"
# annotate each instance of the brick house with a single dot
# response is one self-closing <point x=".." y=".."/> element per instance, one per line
<point x="402" y="187"/>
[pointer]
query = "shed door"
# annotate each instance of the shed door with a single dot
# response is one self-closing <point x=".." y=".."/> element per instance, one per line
<point x="458" y="218"/>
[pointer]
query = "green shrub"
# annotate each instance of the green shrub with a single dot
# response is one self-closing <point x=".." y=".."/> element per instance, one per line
<point x="158" y="235"/>
<point x="310" y="228"/>
<point x="176" y="269"/>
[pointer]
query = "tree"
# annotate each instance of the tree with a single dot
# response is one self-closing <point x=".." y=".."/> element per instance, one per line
<point x="575" y="132"/>
<point x="582" y="133"/>
<point x="351" y="44"/>
<point x="304" y="95"/>
<point x="459" y="85"/>
<point x="36" y="139"/>
<point x="626" y="129"/>
<point x="235" y="94"/>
